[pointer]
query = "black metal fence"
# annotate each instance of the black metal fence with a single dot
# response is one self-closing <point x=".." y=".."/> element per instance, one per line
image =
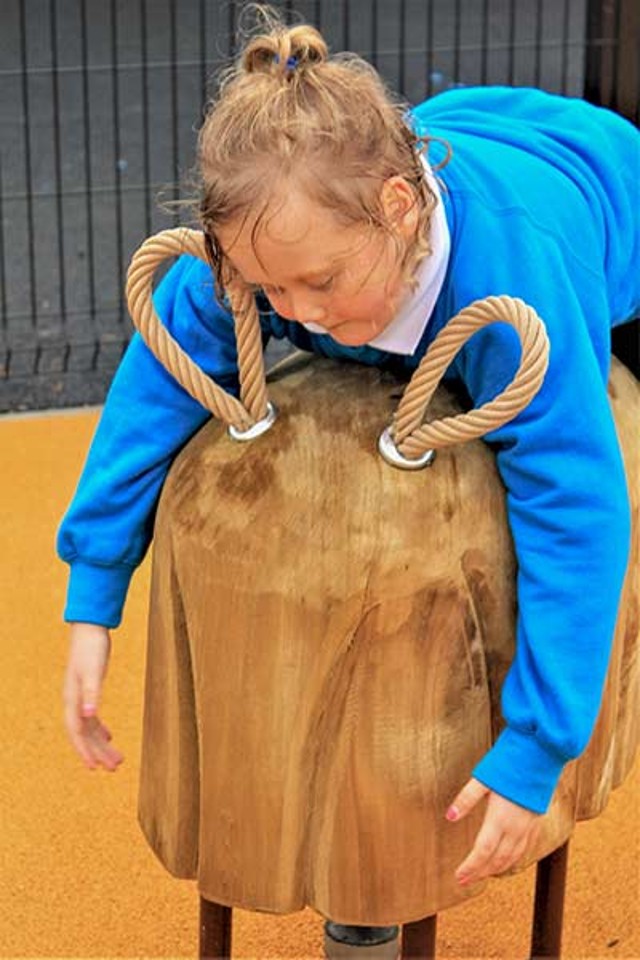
<point x="100" y="102"/>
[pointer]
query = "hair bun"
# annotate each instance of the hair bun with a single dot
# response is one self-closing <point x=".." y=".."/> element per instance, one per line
<point x="307" y="45"/>
<point x="284" y="50"/>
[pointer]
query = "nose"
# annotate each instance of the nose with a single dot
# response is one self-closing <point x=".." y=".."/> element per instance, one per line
<point x="303" y="309"/>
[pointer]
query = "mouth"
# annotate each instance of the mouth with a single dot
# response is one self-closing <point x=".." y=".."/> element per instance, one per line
<point x="351" y="338"/>
<point x="349" y="332"/>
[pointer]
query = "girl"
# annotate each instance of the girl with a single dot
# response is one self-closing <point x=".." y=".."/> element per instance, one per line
<point x="317" y="193"/>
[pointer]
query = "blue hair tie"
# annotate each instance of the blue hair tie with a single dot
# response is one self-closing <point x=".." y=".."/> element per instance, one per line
<point x="291" y="62"/>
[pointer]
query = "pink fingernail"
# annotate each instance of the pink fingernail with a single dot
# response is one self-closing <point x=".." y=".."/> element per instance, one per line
<point x="462" y="879"/>
<point x="452" y="813"/>
<point x="88" y="709"/>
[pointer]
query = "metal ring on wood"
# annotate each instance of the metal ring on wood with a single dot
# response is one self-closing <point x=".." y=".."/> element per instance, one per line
<point x="256" y="429"/>
<point x="412" y="437"/>
<point x="389" y="452"/>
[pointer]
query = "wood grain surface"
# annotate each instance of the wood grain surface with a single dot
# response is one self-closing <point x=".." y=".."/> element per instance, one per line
<point x="328" y="637"/>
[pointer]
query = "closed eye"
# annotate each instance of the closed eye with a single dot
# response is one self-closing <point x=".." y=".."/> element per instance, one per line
<point x="272" y="291"/>
<point x="325" y="285"/>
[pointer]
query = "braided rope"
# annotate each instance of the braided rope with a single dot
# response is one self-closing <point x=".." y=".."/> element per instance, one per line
<point x="168" y="351"/>
<point x="413" y="438"/>
<point x="253" y="386"/>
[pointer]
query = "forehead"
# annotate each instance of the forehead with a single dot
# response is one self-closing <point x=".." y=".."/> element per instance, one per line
<point x="291" y="236"/>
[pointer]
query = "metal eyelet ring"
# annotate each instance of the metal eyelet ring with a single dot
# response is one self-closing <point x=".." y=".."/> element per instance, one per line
<point x="256" y="429"/>
<point x="389" y="452"/>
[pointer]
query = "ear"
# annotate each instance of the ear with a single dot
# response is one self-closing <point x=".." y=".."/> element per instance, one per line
<point x="400" y="205"/>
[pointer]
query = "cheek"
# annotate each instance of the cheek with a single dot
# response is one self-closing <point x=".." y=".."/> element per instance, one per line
<point x="281" y="307"/>
<point x="374" y="293"/>
<point x="362" y="304"/>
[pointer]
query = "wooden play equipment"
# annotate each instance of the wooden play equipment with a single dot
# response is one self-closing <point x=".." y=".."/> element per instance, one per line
<point x="329" y="635"/>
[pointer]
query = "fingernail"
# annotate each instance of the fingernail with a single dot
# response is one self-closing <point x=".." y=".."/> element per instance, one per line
<point x="452" y="813"/>
<point x="462" y="878"/>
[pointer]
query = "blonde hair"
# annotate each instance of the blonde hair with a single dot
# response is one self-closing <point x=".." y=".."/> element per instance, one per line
<point x="287" y="110"/>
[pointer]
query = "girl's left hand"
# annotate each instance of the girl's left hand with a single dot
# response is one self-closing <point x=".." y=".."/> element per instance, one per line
<point x="506" y="831"/>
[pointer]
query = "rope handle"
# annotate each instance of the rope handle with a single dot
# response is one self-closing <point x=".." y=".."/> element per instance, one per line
<point x="412" y="438"/>
<point x="240" y="415"/>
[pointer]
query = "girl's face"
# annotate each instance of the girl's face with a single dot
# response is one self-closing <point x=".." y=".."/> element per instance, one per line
<point x="314" y="269"/>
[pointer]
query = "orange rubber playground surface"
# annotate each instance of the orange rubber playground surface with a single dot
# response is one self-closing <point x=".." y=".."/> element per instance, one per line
<point x="77" y="879"/>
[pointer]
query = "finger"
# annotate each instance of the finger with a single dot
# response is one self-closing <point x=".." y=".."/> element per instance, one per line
<point x="108" y="754"/>
<point x="90" y="738"/>
<point x="75" y="726"/>
<point x="503" y="857"/>
<point x="107" y="732"/>
<point x="508" y="852"/>
<point x="74" y="721"/>
<point x="82" y="746"/>
<point x="469" y="796"/>
<point x="486" y="844"/>
<point x="97" y="740"/>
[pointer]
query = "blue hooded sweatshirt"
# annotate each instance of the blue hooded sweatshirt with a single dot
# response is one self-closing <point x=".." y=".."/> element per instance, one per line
<point x="542" y="202"/>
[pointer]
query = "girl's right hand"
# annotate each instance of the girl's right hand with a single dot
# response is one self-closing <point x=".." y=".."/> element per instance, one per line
<point x="86" y="669"/>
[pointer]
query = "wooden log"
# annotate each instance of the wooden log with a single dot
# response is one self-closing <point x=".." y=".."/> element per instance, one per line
<point x="610" y="754"/>
<point x="328" y="638"/>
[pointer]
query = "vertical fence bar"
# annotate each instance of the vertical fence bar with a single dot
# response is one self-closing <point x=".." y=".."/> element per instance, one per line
<point x="512" y="40"/>
<point x="374" y="33"/>
<point x="232" y="28"/>
<point x="88" y="177"/>
<point x="599" y="51"/>
<point x="484" y="40"/>
<point x="66" y="357"/>
<point x="627" y="100"/>
<point x="115" y="95"/>
<point x="402" y="44"/>
<point x="346" y="34"/>
<point x="203" y="52"/>
<point x="616" y="52"/>
<point x="593" y="51"/>
<point x="457" y="28"/>
<point x="537" y="69"/>
<point x="146" y="124"/>
<point x="57" y="153"/>
<point x="175" y="143"/>
<point x="3" y="265"/>
<point x="28" y="169"/>
<point x="430" y="45"/>
<point x="565" y="48"/>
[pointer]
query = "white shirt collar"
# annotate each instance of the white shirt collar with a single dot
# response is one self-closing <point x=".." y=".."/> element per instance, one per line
<point x="403" y="334"/>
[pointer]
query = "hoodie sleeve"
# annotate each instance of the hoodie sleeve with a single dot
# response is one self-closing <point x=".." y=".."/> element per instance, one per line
<point x="570" y="521"/>
<point x="543" y="192"/>
<point x="147" y="419"/>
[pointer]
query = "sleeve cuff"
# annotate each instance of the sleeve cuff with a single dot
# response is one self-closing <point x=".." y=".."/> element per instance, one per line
<point x="97" y="594"/>
<point x="521" y="769"/>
